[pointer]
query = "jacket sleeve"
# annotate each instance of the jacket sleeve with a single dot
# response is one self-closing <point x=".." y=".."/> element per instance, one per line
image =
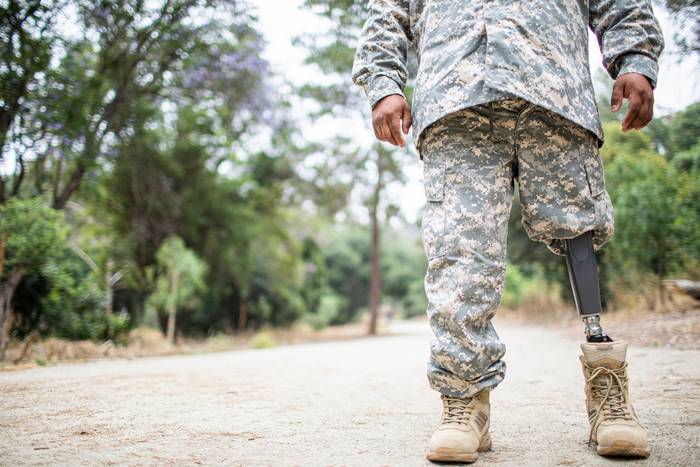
<point x="380" y="60"/>
<point x="629" y="36"/>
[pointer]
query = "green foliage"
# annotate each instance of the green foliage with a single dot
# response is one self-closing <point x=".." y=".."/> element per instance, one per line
<point x="687" y="224"/>
<point x="403" y="268"/>
<point x="58" y="294"/>
<point x="684" y="129"/>
<point x="656" y="208"/>
<point x="74" y="307"/>
<point x="328" y="311"/>
<point x="514" y="286"/>
<point x="346" y="252"/>
<point x="35" y="234"/>
<point x="185" y="171"/>
<point x="149" y="112"/>
<point x="688" y="161"/>
<point x="176" y="260"/>
<point x="25" y="48"/>
<point x="262" y="340"/>
<point x="678" y="137"/>
<point x="643" y="192"/>
<point x="131" y="55"/>
<point x="92" y="325"/>
<point x="347" y="17"/>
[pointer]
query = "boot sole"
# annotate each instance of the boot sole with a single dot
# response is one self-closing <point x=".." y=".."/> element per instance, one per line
<point x="624" y="448"/>
<point x="450" y="454"/>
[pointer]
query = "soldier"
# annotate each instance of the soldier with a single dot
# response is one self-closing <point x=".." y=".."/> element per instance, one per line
<point x="503" y="93"/>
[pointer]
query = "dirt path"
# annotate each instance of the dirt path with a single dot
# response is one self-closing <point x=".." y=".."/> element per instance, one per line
<point x="355" y="403"/>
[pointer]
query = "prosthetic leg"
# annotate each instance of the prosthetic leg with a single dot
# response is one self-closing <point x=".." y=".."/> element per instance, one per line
<point x="614" y="425"/>
<point x="583" y="273"/>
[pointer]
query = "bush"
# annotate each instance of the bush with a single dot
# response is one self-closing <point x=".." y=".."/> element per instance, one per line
<point x="262" y="340"/>
<point x="93" y="325"/>
<point x="522" y="290"/>
<point x="329" y="308"/>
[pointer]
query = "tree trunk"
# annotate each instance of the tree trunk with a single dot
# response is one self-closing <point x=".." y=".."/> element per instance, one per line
<point x="242" y="315"/>
<point x="171" y="312"/>
<point x="2" y="294"/>
<point x="57" y="183"/>
<point x="662" y="273"/>
<point x="2" y="254"/>
<point x="374" y="278"/>
<point x="6" y="320"/>
<point x="108" y="288"/>
<point x="60" y="201"/>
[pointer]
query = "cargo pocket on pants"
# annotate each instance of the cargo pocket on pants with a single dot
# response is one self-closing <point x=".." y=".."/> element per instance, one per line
<point x="433" y="227"/>
<point x="595" y="175"/>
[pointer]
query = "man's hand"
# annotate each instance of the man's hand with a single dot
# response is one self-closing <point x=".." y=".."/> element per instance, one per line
<point x="389" y="117"/>
<point x="637" y="89"/>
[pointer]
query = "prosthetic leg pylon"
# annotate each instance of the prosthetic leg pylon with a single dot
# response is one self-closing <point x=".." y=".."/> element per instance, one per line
<point x="583" y="273"/>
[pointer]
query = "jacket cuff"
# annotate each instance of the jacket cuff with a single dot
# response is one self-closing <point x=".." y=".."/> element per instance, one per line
<point x="380" y="87"/>
<point x="635" y="63"/>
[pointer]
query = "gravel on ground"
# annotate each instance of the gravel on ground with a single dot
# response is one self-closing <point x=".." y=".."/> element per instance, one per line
<point x="363" y="402"/>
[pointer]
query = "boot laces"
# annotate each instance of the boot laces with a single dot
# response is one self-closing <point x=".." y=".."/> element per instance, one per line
<point x="610" y="387"/>
<point x="457" y="410"/>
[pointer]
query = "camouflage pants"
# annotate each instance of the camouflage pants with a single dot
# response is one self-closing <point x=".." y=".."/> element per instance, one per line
<point x="471" y="159"/>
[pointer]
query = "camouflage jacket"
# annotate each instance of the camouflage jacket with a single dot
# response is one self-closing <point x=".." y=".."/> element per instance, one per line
<point x="472" y="52"/>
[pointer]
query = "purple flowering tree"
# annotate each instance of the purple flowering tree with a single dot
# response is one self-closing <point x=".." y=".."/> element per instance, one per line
<point x="118" y="57"/>
<point x="141" y="114"/>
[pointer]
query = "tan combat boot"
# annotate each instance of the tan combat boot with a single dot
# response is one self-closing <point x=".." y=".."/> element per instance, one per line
<point x="463" y="430"/>
<point x="614" y="425"/>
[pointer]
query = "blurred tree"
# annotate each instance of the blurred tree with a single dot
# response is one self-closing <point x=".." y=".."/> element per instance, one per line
<point x="686" y="13"/>
<point x="346" y="250"/>
<point x="27" y="40"/>
<point x="687" y="224"/>
<point x="236" y="224"/>
<point x="349" y="167"/>
<point x="655" y="208"/>
<point x="333" y="53"/>
<point x="125" y="53"/>
<point x="386" y="170"/>
<point x="180" y="282"/>
<point x="404" y="265"/>
<point x="186" y="171"/>
<point x="32" y="234"/>
<point x="677" y="137"/>
<point x="149" y="107"/>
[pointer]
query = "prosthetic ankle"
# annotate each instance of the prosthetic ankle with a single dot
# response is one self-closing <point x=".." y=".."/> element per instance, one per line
<point x="583" y="273"/>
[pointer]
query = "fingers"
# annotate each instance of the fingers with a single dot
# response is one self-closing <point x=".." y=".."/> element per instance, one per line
<point x="617" y="94"/>
<point x="395" y="129"/>
<point x="406" y="120"/>
<point x="637" y="89"/>
<point x="386" y="128"/>
<point x="641" y="111"/>
<point x="389" y="117"/>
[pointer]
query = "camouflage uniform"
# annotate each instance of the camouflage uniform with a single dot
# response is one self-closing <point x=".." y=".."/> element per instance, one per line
<point x="477" y="51"/>
<point x="503" y="92"/>
<point x="470" y="161"/>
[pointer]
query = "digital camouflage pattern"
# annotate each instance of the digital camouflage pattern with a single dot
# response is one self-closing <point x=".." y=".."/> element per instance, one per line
<point x="476" y="51"/>
<point x="471" y="159"/>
